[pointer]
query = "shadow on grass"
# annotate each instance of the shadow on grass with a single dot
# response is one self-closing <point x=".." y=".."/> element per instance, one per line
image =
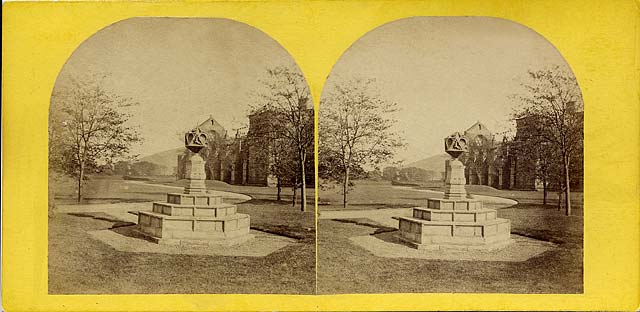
<point x="129" y="229"/>
<point x="368" y="223"/>
<point x="387" y="234"/>
<point x="366" y="206"/>
<point x="70" y="200"/>
<point x="381" y="232"/>
<point x="103" y="217"/>
<point x="549" y="236"/>
<point x="273" y="202"/>
<point x="287" y="231"/>
<point x="149" y="193"/>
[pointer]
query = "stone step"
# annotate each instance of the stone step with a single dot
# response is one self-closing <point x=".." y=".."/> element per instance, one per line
<point x="454" y="204"/>
<point x="200" y="199"/>
<point x="478" y="215"/>
<point x="163" y="226"/>
<point x="422" y="231"/>
<point x="460" y="243"/>
<point x="219" y="210"/>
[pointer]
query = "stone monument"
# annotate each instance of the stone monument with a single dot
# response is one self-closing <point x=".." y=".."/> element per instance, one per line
<point x="194" y="216"/>
<point x="455" y="221"/>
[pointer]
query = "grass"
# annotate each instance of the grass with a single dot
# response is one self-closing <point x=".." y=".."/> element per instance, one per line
<point x="370" y="195"/>
<point x="115" y="189"/>
<point x="78" y="264"/>
<point x="104" y="189"/>
<point x="524" y="197"/>
<point x="367" y="194"/>
<point x="346" y="268"/>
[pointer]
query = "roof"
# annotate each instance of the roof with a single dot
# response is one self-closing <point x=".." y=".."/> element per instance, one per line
<point x="478" y="129"/>
<point x="210" y="124"/>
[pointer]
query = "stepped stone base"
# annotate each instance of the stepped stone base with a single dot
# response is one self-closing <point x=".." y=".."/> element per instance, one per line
<point x="454" y="224"/>
<point x="454" y="204"/>
<point x="200" y="219"/>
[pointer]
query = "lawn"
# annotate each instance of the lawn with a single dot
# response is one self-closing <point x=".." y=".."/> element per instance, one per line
<point x="368" y="194"/>
<point x="347" y="268"/>
<point x="114" y="189"/>
<point x="79" y="264"/>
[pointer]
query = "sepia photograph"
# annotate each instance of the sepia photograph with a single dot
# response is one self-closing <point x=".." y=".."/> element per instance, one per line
<point x="181" y="160"/>
<point x="450" y="160"/>
<point x="320" y="155"/>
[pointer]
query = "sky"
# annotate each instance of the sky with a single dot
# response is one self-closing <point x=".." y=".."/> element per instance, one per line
<point x="180" y="71"/>
<point x="446" y="73"/>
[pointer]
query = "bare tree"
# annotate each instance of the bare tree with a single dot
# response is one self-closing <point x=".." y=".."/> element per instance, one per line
<point x="286" y="94"/>
<point x="552" y="97"/>
<point x="355" y="128"/>
<point x="88" y="128"/>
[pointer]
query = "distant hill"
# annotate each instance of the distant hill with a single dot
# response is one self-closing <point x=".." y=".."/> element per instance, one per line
<point x="167" y="159"/>
<point x="433" y="163"/>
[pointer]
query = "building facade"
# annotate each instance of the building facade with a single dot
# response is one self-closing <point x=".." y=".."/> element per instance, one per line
<point x="506" y="164"/>
<point x="244" y="158"/>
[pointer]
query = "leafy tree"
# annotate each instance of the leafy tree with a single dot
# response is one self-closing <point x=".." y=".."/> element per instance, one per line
<point x="271" y="144"/>
<point x="286" y="95"/>
<point x="145" y="168"/>
<point x="88" y="127"/>
<point x="531" y="148"/>
<point x="355" y="129"/>
<point x="415" y="174"/>
<point x="552" y="97"/>
<point x="390" y="173"/>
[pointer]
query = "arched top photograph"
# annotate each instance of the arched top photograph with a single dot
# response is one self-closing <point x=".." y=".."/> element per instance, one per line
<point x="188" y="138"/>
<point x="510" y="112"/>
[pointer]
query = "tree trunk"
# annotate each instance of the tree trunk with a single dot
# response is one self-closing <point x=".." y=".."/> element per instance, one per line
<point x="567" y="189"/>
<point x="544" y="191"/>
<point x="345" y="188"/>
<point x="560" y="190"/>
<point x="279" y="187"/>
<point x="51" y="196"/>
<point x="293" y="199"/>
<point x="80" y="181"/>
<point x="303" y="189"/>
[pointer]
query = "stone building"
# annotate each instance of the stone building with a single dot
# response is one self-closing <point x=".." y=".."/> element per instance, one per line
<point x="491" y="162"/>
<point x="501" y="164"/>
<point x="262" y="142"/>
<point x="243" y="158"/>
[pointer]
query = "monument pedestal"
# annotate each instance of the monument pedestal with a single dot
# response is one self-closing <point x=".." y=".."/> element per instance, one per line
<point x="194" y="217"/>
<point x="455" y="221"/>
<point x="454" y="224"/>
<point x="201" y="219"/>
<point x="195" y="174"/>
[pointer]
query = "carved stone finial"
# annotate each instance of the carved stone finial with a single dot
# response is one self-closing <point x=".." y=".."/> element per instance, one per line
<point x="455" y="145"/>
<point x="195" y="140"/>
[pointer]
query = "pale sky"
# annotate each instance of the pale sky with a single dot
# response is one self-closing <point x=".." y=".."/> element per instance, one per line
<point x="446" y="73"/>
<point x="180" y="71"/>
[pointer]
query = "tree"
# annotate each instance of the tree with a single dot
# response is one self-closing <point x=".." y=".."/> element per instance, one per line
<point x="531" y="148"/>
<point x="145" y="168"/>
<point x="355" y="129"/>
<point x="88" y="127"/>
<point x="286" y="95"/>
<point x="552" y="97"/>
<point x="390" y="173"/>
<point x="270" y="144"/>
